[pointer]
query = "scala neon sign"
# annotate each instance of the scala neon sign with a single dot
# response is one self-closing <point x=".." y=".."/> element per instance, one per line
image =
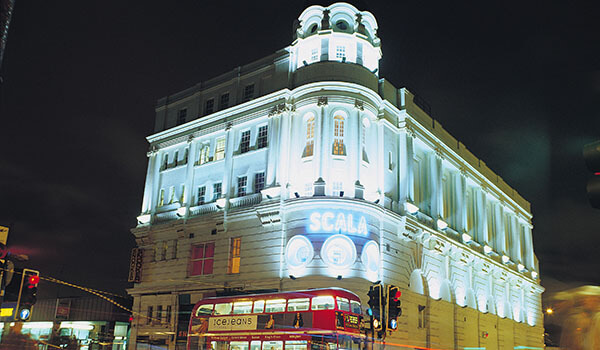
<point x="340" y="222"/>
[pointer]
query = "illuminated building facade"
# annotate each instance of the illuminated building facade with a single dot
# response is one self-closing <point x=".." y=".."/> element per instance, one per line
<point x="306" y="169"/>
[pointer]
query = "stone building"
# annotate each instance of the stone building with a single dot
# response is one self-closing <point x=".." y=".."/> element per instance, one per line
<point x="307" y="169"/>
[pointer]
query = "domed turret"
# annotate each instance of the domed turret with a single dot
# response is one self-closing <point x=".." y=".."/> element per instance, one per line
<point x="339" y="32"/>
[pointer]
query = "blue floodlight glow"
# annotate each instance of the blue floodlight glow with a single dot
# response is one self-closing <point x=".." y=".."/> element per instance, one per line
<point x="338" y="252"/>
<point x="338" y="221"/>
<point x="369" y="312"/>
<point x="298" y="252"/>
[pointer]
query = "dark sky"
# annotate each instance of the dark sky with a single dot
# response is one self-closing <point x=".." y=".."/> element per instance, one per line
<point x="517" y="82"/>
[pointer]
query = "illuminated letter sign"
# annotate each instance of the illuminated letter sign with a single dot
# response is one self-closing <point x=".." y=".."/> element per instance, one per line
<point x="338" y="222"/>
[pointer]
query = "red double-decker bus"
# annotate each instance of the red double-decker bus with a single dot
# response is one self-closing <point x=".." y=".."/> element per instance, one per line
<point x="317" y="319"/>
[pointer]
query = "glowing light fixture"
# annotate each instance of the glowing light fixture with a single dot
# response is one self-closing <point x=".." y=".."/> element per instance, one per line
<point x="549" y="311"/>
<point x="466" y="238"/>
<point x="37" y="325"/>
<point x="221" y="202"/>
<point x="370" y="257"/>
<point x="487" y="249"/>
<point x="534" y="274"/>
<point x="143" y="219"/>
<point x="441" y="224"/>
<point x="338" y="252"/>
<point x="411" y="208"/>
<point x="298" y="252"/>
<point x="181" y="211"/>
<point x="521" y="267"/>
<point x="505" y="259"/>
<point x="77" y="325"/>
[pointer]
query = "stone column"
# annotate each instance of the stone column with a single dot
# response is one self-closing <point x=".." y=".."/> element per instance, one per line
<point x="461" y="200"/>
<point x="321" y="146"/>
<point x="435" y="182"/>
<point x="228" y="163"/>
<point x="381" y="161"/>
<point x="359" y="144"/>
<point x="151" y="177"/>
<point x="273" y="142"/>
<point x="482" y="221"/>
<point x="189" y="179"/>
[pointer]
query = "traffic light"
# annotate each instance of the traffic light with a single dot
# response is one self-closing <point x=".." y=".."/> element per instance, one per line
<point x="22" y="291"/>
<point x="591" y="154"/>
<point x="375" y="309"/>
<point x="394" y="309"/>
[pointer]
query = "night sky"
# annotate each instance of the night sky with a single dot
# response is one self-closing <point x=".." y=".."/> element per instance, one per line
<point x="517" y="82"/>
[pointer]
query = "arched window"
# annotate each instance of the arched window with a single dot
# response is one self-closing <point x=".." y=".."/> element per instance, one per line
<point x="338" y="136"/>
<point x="204" y="154"/>
<point x="310" y="137"/>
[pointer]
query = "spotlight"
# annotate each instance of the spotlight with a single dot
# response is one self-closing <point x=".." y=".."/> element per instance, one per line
<point x="376" y="201"/>
<point x="339" y="277"/>
<point x="344" y="59"/>
<point x="377" y="282"/>
<point x="293" y="277"/>
<point x="297" y="194"/>
<point x="341" y="193"/>
<point x="305" y="63"/>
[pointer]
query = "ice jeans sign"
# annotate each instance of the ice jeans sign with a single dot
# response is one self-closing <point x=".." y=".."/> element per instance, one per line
<point x="232" y="323"/>
<point x="338" y="222"/>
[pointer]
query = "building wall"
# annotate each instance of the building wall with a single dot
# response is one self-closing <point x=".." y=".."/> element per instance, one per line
<point x="356" y="174"/>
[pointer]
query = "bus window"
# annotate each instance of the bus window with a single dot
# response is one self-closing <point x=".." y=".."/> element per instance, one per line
<point x="204" y="309"/>
<point x="242" y="307"/>
<point x="295" y="345"/>
<point x="343" y="304"/>
<point x="297" y="305"/>
<point x="355" y="307"/>
<point x="272" y="345"/>
<point x="259" y="306"/>
<point x="223" y="309"/>
<point x="275" y="305"/>
<point x="255" y="345"/>
<point x="322" y="303"/>
<point x="238" y="345"/>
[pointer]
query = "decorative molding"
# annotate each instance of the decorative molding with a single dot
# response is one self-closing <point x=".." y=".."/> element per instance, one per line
<point x="152" y="150"/>
<point x="190" y="138"/>
<point x="322" y="101"/>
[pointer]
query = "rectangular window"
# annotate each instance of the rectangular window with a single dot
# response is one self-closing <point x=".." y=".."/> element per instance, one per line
<point x="161" y="200"/>
<point x="338" y="136"/>
<point x="202" y="259"/>
<point x="245" y="142"/>
<point x="390" y="161"/>
<point x="340" y="53"/>
<point x="168" y="314"/>
<point x="259" y="182"/>
<point x="343" y="304"/>
<point x="275" y="305"/>
<point x="242" y="182"/>
<point x="201" y="194"/>
<point x="242" y="307"/>
<point x="172" y="195"/>
<point x="308" y="189"/>
<point x="209" y="106"/>
<point x="235" y="255"/>
<point x="224" y="101"/>
<point x="259" y="306"/>
<point x="217" y="191"/>
<point x="314" y="54"/>
<point x="220" y="149"/>
<point x="174" y="249"/>
<point x="263" y="133"/>
<point x="337" y="188"/>
<point x="182" y="195"/>
<point x="149" y="314"/>
<point x="248" y="92"/>
<point x="165" y="163"/>
<point x="159" y="314"/>
<point x="300" y="304"/>
<point x="204" y="154"/>
<point x="324" y="302"/>
<point x="421" y="317"/>
<point x="223" y="309"/>
<point x="181" y="116"/>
